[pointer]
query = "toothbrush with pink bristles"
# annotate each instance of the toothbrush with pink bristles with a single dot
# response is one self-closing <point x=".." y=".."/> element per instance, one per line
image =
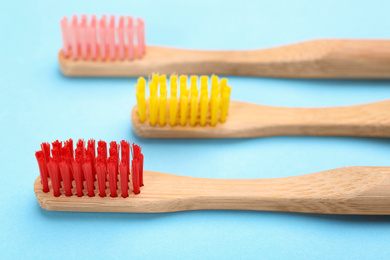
<point x="101" y="47"/>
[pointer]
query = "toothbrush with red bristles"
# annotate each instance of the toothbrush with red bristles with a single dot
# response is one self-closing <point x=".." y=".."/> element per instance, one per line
<point x="81" y="181"/>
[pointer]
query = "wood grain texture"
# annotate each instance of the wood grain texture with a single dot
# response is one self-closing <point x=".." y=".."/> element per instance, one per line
<point x="251" y="120"/>
<point x="348" y="190"/>
<point x="312" y="59"/>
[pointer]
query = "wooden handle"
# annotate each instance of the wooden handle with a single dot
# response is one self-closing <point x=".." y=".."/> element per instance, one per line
<point x="251" y="120"/>
<point x="312" y="59"/>
<point x="349" y="190"/>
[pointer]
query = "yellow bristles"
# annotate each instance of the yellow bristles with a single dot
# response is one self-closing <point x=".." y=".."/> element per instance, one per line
<point x="155" y="79"/>
<point x="204" y="100"/>
<point x="162" y="101"/>
<point x="204" y="106"/>
<point x="140" y="94"/>
<point x="213" y="110"/>
<point x="193" y="106"/>
<point x="225" y="104"/>
<point x="173" y="102"/>
<point x="223" y="85"/>
<point x="173" y="80"/>
<point x="153" y="106"/>
<point x="153" y="88"/>
<point x="183" y="85"/>
<point x="183" y="110"/>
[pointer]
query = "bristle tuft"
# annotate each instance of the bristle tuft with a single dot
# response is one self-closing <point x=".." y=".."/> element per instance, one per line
<point x="66" y="168"/>
<point x="101" y="39"/>
<point x="193" y="106"/>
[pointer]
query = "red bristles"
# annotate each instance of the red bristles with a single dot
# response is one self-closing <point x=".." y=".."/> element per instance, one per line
<point x="69" y="145"/>
<point x="135" y="175"/>
<point x="101" y="167"/>
<point x="66" y="165"/>
<point x="90" y="153"/>
<point x="43" y="170"/>
<point x="125" y="146"/>
<point x="54" y="173"/>
<point x="101" y="172"/>
<point x="46" y="151"/>
<point x="124" y="174"/>
<point x="66" y="176"/>
<point x="102" y="39"/>
<point x="78" y="177"/>
<point x="89" y="176"/>
<point x="112" y="169"/>
<point x="102" y="150"/>
<point x="137" y="168"/>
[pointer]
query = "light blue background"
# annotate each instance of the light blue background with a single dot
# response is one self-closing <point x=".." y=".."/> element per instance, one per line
<point x="39" y="104"/>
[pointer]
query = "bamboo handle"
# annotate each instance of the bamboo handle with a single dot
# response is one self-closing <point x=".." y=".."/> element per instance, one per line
<point x="349" y="190"/>
<point x="312" y="59"/>
<point x="247" y="120"/>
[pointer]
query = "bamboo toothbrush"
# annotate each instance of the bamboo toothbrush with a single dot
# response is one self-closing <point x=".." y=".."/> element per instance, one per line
<point x="213" y="115"/>
<point x="101" y="48"/>
<point x="67" y="184"/>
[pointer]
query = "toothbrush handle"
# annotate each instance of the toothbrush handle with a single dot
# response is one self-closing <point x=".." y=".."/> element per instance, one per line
<point x="312" y="59"/>
<point x="246" y="120"/>
<point x="348" y="190"/>
<point x="366" y="120"/>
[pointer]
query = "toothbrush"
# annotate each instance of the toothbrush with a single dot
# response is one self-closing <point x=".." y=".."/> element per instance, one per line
<point x="213" y="115"/>
<point x="61" y="186"/>
<point x="118" y="49"/>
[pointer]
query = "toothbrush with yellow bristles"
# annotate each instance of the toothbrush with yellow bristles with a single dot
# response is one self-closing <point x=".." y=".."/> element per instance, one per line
<point x="210" y="114"/>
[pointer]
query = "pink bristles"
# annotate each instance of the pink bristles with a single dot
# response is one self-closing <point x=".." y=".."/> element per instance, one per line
<point x="130" y="38"/>
<point x="54" y="174"/>
<point x="74" y="37"/>
<point x="121" y="38"/>
<point x="83" y="37"/>
<point x="103" y="38"/>
<point x="66" y="166"/>
<point x="44" y="173"/>
<point x="140" y="37"/>
<point x="111" y="38"/>
<point x="65" y="36"/>
<point x="92" y="37"/>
